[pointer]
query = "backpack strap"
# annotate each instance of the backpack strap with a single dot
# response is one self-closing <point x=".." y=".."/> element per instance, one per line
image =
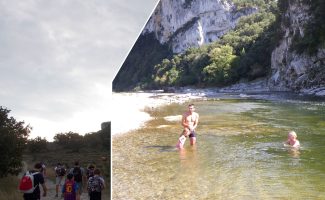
<point x="35" y="173"/>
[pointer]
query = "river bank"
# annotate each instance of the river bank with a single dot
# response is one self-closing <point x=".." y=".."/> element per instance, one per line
<point x="130" y="107"/>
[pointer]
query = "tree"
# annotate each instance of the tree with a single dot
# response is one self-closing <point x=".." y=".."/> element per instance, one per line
<point x="13" y="138"/>
<point x="37" y="145"/>
<point x="92" y="140"/>
<point x="218" y="71"/>
<point x="70" y="140"/>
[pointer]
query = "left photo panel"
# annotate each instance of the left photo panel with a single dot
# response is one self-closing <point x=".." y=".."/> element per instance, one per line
<point x="58" y="61"/>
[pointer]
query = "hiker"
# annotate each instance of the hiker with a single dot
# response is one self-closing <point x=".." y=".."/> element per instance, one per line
<point x="292" y="140"/>
<point x="78" y="173"/>
<point x="60" y="172"/>
<point x="70" y="188"/>
<point x="190" y="121"/>
<point x="30" y="182"/>
<point x="95" y="185"/>
<point x="90" y="171"/>
<point x="43" y="170"/>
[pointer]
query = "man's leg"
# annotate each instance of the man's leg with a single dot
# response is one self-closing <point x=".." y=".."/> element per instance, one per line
<point x="57" y="184"/>
<point x="181" y="142"/>
<point x="192" y="138"/>
<point x="182" y="139"/>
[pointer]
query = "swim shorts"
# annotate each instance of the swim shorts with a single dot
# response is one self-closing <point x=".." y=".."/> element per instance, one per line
<point x="192" y="134"/>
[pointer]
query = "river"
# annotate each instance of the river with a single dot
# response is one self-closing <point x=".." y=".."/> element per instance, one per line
<point x="239" y="152"/>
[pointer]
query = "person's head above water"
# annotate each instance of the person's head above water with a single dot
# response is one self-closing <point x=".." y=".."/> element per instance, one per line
<point x="292" y="139"/>
<point x="292" y="135"/>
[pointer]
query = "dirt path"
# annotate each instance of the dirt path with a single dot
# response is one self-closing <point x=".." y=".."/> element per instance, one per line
<point x="51" y="188"/>
<point x="51" y="192"/>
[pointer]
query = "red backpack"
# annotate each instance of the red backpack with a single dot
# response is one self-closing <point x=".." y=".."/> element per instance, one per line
<point x="26" y="184"/>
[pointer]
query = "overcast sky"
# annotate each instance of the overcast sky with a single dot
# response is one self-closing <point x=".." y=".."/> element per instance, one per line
<point x="58" y="59"/>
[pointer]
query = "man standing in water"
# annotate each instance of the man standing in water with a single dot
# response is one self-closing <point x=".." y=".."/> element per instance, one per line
<point x="190" y="121"/>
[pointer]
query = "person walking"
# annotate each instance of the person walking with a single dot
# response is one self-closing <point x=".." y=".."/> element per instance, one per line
<point x="30" y="182"/>
<point x="78" y="174"/>
<point x="70" y="188"/>
<point x="60" y="172"/>
<point x="95" y="185"/>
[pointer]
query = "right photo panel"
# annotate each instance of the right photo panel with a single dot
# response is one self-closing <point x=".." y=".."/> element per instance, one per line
<point x="222" y="99"/>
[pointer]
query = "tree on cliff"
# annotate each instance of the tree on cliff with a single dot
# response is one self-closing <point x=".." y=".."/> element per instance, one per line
<point x="13" y="138"/>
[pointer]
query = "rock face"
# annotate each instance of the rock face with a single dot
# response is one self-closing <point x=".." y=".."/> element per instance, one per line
<point x="192" y="23"/>
<point x="293" y="71"/>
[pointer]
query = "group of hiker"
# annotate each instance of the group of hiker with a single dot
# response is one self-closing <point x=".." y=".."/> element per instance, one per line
<point x="67" y="181"/>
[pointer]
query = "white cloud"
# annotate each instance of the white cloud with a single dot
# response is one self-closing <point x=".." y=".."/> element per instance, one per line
<point x="58" y="58"/>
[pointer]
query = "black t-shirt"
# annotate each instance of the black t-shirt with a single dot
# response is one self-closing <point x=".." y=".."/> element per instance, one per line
<point x="38" y="180"/>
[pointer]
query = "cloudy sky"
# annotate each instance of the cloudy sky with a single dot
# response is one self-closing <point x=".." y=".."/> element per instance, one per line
<point x="58" y="59"/>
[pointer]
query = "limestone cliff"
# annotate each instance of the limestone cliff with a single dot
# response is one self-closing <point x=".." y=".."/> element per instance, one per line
<point x="192" y="23"/>
<point x="299" y="72"/>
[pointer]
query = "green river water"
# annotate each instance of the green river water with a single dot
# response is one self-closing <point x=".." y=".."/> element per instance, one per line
<point x="239" y="152"/>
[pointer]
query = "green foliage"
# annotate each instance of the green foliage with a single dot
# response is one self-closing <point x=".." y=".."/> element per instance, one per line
<point x="74" y="141"/>
<point x="137" y="69"/>
<point x="70" y="140"/>
<point x="92" y="140"/>
<point x="248" y="30"/>
<point x="13" y="138"/>
<point x="218" y="72"/>
<point x="37" y="145"/>
<point x="249" y="3"/>
<point x="8" y="188"/>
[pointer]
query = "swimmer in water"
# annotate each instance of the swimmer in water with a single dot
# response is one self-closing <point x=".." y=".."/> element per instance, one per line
<point x="292" y="140"/>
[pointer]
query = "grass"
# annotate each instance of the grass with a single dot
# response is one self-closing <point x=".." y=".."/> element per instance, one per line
<point x="9" y="188"/>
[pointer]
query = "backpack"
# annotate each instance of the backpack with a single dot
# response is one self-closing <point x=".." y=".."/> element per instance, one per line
<point x="60" y="171"/>
<point x="26" y="184"/>
<point x="77" y="174"/>
<point x="94" y="184"/>
<point x="90" y="173"/>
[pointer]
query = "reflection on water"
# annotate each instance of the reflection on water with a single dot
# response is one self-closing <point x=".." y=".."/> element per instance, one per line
<point x="239" y="154"/>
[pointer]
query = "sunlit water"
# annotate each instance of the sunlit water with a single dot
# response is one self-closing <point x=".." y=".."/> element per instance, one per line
<point x="239" y="153"/>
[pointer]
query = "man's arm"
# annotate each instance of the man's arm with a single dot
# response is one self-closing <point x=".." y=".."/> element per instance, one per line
<point x="184" y="123"/>
<point x="196" y="122"/>
<point x="44" y="189"/>
<point x="103" y="183"/>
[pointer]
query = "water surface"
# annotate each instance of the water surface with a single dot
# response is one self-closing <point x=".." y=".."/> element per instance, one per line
<point x="239" y="154"/>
